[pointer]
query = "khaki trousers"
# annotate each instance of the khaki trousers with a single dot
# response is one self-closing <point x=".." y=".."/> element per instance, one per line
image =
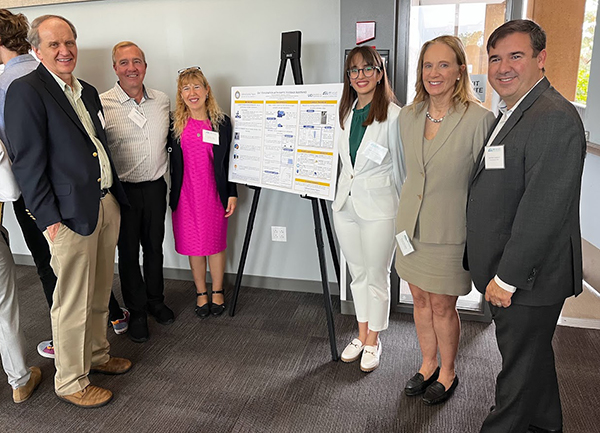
<point x="84" y="266"/>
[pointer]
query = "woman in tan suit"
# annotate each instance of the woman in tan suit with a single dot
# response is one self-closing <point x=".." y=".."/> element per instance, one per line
<point x="442" y="131"/>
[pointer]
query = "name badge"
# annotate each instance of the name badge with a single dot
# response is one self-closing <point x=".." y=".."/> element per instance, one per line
<point x="494" y="157"/>
<point x="137" y="118"/>
<point x="211" y="137"/>
<point x="101" y="117"/>
<point x="404" y="243"/>
<point x="375" y="152"/>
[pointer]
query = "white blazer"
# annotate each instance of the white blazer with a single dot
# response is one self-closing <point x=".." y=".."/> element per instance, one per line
<point x="375" y="188"/>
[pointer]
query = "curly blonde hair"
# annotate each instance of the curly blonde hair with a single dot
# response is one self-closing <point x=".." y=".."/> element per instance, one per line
<point x="182" y="112"/>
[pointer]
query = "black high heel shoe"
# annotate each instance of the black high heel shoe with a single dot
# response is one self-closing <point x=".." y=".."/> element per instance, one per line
<point x="202" y="311"/>
<point x="217" y="309"/>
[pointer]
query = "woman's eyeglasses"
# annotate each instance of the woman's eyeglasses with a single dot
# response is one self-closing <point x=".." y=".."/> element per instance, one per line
<point x="368" y="71"/>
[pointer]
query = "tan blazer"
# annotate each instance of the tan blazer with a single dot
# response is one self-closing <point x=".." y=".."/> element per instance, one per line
<point x="375" y="188"/>
<point x="435" y="190"/>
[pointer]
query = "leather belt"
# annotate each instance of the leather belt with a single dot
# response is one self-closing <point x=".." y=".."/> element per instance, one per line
<point x="103" y="193"/>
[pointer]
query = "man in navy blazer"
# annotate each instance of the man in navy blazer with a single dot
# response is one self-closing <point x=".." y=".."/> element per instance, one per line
<point x="56" y="139"/>
<point x="523" y="235"/>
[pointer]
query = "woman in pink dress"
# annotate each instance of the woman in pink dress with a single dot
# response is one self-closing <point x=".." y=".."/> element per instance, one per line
<point x="201" y="197"/>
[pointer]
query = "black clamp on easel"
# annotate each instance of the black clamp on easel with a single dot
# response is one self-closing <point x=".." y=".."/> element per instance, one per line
<point x="290" y="49"/>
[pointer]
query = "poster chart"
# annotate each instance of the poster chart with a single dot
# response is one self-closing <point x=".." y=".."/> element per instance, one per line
<point x="285" y="138"/>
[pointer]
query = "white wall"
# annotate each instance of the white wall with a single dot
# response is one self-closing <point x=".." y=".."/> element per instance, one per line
<point x="590" y="193"/>
<point x="237" y="43"/>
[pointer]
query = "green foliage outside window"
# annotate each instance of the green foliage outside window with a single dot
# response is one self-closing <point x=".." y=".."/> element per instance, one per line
<point x="587" y="43"/>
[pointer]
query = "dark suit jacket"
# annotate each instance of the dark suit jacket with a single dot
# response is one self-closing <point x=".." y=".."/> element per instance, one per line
<point x="523" y="221"/>
<point x="54" y="159"/>
<point x="225" y="188"/>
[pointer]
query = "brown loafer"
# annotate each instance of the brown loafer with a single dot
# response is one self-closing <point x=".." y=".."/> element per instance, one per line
<point x="89" y="397"/>
<point x="24" y="392"/>
<point x="113" y="366"/>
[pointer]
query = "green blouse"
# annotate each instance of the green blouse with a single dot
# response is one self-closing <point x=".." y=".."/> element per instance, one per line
<point x="357" y="130"/>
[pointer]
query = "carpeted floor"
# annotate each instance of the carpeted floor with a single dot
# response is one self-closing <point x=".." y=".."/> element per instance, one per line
<point x="268" y="369"/>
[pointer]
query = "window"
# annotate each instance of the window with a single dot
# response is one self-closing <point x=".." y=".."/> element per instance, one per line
<point x="585" y="58"/>
<point x="471" y="20"/>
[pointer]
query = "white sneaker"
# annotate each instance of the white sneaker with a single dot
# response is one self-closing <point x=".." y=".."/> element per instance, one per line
<point x="370" y="357"/>
<point x="46" y="349"/>
<point x="352" y="351"/>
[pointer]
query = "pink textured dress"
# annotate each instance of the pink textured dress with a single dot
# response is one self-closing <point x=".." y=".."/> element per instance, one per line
<point x="199" y="223"/>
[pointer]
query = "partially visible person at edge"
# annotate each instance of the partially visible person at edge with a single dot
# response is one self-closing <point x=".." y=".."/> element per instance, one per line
<point x="57" y="142"/>
<point x="22" y="379"/>
<point x="443" y="131"/>
<point x="366" y="200"/>
<point x="202" y="199"/>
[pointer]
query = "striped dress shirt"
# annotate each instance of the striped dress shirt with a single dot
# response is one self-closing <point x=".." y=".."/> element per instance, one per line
<point x="137" y="133"/>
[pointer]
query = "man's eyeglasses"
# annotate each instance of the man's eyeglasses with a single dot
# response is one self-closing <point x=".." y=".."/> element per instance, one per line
<point x="181" y="71"/>
<point x="368" y="72"/>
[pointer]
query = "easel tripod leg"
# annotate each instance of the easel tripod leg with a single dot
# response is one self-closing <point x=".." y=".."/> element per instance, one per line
<point x="240" y="272"/>
<point x="330" y="238"/>
<point x="324" y="279"/>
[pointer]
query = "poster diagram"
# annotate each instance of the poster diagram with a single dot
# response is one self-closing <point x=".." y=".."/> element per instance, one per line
<point x="285" y="138"/>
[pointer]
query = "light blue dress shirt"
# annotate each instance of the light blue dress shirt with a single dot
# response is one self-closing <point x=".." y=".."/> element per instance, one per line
<point x="14" y="68"/>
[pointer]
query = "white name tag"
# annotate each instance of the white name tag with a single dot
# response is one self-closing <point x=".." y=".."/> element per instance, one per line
<point x="211" y="137"/>
<point x="375" y="152"/>
<point x="137" y="118"/>
<point x="494" y="157"/>
<point x="404" y="243"/>
<point x="102" y="122"/>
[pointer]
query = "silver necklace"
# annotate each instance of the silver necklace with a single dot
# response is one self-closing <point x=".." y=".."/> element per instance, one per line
<point x="434" y="120"/>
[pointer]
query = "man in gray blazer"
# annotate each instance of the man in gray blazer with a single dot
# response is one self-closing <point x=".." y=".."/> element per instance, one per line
<point x="523" y="235"/>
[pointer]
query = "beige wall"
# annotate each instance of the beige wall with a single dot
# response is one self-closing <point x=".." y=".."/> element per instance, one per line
<point x="563" y="22"/>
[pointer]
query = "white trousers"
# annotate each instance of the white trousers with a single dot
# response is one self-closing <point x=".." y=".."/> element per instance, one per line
<point x="368" y="247"/>
<point x="12" y="345"/>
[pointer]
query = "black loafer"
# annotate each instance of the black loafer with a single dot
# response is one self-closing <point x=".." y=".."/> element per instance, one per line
<point x="163" y="314"/>
<point x="217" y="309"/>
<point x="202" y="311"/>
<point x="417" y="384"/>
<point x="138" y="328"/>
<point x="436" y="392"/>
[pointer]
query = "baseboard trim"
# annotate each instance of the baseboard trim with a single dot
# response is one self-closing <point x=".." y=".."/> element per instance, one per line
<point x="579" y="323"/>
<point x="591" y="265"/>
<point x="273" y="283"/>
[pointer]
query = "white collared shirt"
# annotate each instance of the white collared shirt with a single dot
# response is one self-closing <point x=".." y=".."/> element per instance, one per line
<point x="137" y="133"/>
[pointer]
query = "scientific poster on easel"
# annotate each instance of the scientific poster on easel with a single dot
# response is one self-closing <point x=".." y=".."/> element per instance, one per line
<point x="285" y="138"/>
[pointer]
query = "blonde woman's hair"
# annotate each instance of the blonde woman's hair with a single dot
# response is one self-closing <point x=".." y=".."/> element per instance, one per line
<point x="182" y="112"/>
<point x="463" y="90"/>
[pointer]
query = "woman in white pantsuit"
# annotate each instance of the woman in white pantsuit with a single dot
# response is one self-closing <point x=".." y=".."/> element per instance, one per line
<point x="368" y="191"/>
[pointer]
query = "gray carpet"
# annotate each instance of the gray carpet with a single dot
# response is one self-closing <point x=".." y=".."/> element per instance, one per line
<point x="268" y="369"/>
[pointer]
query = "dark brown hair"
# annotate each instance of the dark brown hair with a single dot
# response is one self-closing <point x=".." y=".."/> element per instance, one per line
<point x="13" y="32"/>
<point x="383" y="91"/>
<point x="537" y="35"/>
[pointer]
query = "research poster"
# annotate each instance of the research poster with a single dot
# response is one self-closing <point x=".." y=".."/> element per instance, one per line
<point x="285" y="138"/>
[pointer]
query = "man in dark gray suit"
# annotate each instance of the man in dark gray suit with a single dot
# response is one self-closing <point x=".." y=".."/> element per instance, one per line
<point x="523" y="237"/>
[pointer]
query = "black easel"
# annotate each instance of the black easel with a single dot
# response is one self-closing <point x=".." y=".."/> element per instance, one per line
<point x="290" y="49"/>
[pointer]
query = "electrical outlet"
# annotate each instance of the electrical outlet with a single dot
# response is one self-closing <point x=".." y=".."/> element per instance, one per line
<point x="278" y="234"/>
